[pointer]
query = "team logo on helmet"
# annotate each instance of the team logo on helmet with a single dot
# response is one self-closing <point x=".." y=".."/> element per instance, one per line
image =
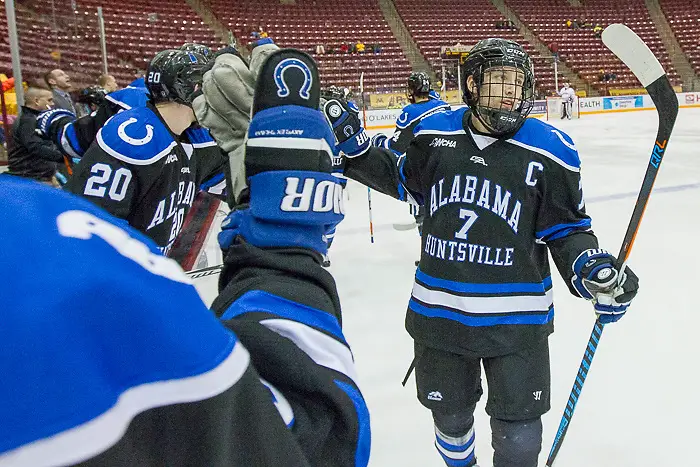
<point x="282" y="87"/>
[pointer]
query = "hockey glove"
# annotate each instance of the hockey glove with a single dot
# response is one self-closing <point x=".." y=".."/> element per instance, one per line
<point x="596" y="279"/>
<point x="345" y="120"/>
<point x="379" y="140"/>
<point x="294" y="199"/>
<point x="50" y="117"/>
<point x="225" y="103"/>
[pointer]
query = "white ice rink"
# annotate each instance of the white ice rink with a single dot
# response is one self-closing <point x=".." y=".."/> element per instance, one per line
<point x="638" y="407"/>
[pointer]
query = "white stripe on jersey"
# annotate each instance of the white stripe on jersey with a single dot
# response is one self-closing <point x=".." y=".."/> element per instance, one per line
<point x="293" y="143"/>
<point x="323" y="349"/>
<point x="484" y="304"/>
<point x="85" y="441"/>
<point x="439" y="132"/>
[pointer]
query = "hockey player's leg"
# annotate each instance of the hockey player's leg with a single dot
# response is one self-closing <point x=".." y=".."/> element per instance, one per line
<point x="516" y="443"/>
<point x="450" y="386"/>
<point x="519" y="391"/>
<point x="454" y="437"/>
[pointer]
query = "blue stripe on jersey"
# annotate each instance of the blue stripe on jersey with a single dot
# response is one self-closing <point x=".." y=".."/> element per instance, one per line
<point x="562" y="230"/>
<point x="477" y="321"/>
<point x="464" y="287"/>
<point x="364" y="437"/>
<point x="264" y="302"/>
<point x="72" y="138"/>
<point x="213" y="180"/>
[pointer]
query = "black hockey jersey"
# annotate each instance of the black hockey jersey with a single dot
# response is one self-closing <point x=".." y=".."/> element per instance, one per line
<point x="127" y="367"/>
<point x="139" y="171"/>
<point x="492" y="207"/>
<point x="408" y="120"/>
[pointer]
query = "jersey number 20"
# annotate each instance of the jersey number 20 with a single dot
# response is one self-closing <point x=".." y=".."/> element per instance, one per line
<point x="102" y="179"/>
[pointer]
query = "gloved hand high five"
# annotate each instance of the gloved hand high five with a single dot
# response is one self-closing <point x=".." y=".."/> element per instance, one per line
<point x="596" y="279"/>
<point x="225" y="103"/>
<point x="293" y="198"/>
<point x="345" y="119"/>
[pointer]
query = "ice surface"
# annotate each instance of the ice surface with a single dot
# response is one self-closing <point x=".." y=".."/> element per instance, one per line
<point x="638" y="405"/>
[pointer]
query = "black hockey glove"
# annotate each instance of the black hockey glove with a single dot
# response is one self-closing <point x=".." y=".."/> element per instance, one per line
<point x="294" y="199"/>
<point x="345" y="120"/>
<point x="596" y="279"/>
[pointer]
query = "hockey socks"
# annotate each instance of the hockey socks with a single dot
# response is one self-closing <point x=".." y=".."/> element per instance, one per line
<point x="456" y="451"/>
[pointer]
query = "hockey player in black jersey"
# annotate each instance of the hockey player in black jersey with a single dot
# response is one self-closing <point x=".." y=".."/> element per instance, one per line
<point x="127" y="367"/>
<point x="500" y="190"/>
<point x="148" y="163"/>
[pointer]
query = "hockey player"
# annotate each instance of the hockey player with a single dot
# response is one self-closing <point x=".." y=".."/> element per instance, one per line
<point x="130" y="368"/>
<point x="424" y="102"/>
<point x="568" y="95"/>
<point x="499" y="190"/>
<point x="148" y="163"/>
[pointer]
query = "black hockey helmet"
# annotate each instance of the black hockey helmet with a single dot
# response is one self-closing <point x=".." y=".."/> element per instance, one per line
<point x="334" y="92"/>
<point x="201" y="49"/>
<point x="175" y="76"/>
<point x="501" y="95"/>
<point x="92" y="96"/>
<point x="418" y="85"/>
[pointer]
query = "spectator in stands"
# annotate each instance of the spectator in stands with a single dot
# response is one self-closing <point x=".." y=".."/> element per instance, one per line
<point x="59" y="83"/>
<point x="108" y="83"/>
<point x="598" y="30"/>
<point x="510" y="24"/>
<point x="554" y="48"/>
<point x="320" y="49"/>
<point x="344" y="48"/>
<point x="377" y="48"/>
<point x="569" y="23"/>
<point x="601" y="75"/>
<point x="31" y="156"/>
<point x="360" y="47"/>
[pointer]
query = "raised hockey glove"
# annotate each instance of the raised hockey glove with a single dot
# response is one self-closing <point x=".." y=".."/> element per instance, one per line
<point x="294" y="199"/>
<point x="344" y="118"/>
<point x="48" y="118"/>
<point x="225" y="104"/>
<point x="596" y="279"/>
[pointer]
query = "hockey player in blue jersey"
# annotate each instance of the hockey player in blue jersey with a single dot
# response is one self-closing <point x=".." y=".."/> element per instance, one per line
<point x="127" y="367"/>
<point x="148" y="163"/>
<point x="501" y="191"/>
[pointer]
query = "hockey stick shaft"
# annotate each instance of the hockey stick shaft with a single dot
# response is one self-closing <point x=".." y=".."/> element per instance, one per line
<point x="637" y="56"/>
<point x="364" y="124"/>
<point x="369" y="204"/>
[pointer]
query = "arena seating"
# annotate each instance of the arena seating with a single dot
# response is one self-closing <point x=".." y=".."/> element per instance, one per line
<point x="684" y="18"/>
<point x="580" y="49"/>
<point x="306" y="24"/>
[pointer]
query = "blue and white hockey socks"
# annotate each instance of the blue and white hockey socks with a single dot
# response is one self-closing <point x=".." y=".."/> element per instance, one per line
<point x="456" y="451"/>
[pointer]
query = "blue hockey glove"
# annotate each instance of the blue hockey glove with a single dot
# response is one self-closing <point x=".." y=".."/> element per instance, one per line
<point x="48" y="117"/>
<point x="293" y="198"/>
<point x="596" y="279"/>
<point x="379" y="140"/>
<point x="345" y="120"/>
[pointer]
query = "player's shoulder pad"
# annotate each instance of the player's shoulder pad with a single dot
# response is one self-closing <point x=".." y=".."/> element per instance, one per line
<point x="416" y="112"/>
<point x="129" y="97"/>
<point x="135" y="136"/>
<point x="544" y="139"/>
<point x="448" y="122"/>
<point x="183" y="353"/>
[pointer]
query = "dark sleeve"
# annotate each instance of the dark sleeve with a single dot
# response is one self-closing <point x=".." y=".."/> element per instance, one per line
<point x="401" y="139"/>
<point x="379" y="169"/>
<point x="562" y="221"/>
<point x="73" y="137"/>
<point x="35" y="144"/>
<point x="108" y="182"/>
<point x="211" y="173"/>
<point x="284" y="308"/>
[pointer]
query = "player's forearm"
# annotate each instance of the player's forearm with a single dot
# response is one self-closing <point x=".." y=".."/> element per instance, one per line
<point x="376" y="169"/>
<point x="565" y="251"/>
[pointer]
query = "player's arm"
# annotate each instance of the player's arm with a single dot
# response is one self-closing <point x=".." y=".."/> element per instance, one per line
<point x="211" y="162"/>
<point x="562" y="223"/>
<point x="73" y="136"/>
<point x="399" y="141"/>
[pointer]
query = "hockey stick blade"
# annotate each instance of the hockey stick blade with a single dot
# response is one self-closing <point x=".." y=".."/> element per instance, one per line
<point x="404" y="227"/>
<point x="204" y="272"/>
<point x="629" y="48"/>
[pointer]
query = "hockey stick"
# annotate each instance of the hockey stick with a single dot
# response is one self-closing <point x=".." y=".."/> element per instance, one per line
<point x="204" y="272"/>
<point x="629" y="48"/>
<point x="364" y="125"/>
